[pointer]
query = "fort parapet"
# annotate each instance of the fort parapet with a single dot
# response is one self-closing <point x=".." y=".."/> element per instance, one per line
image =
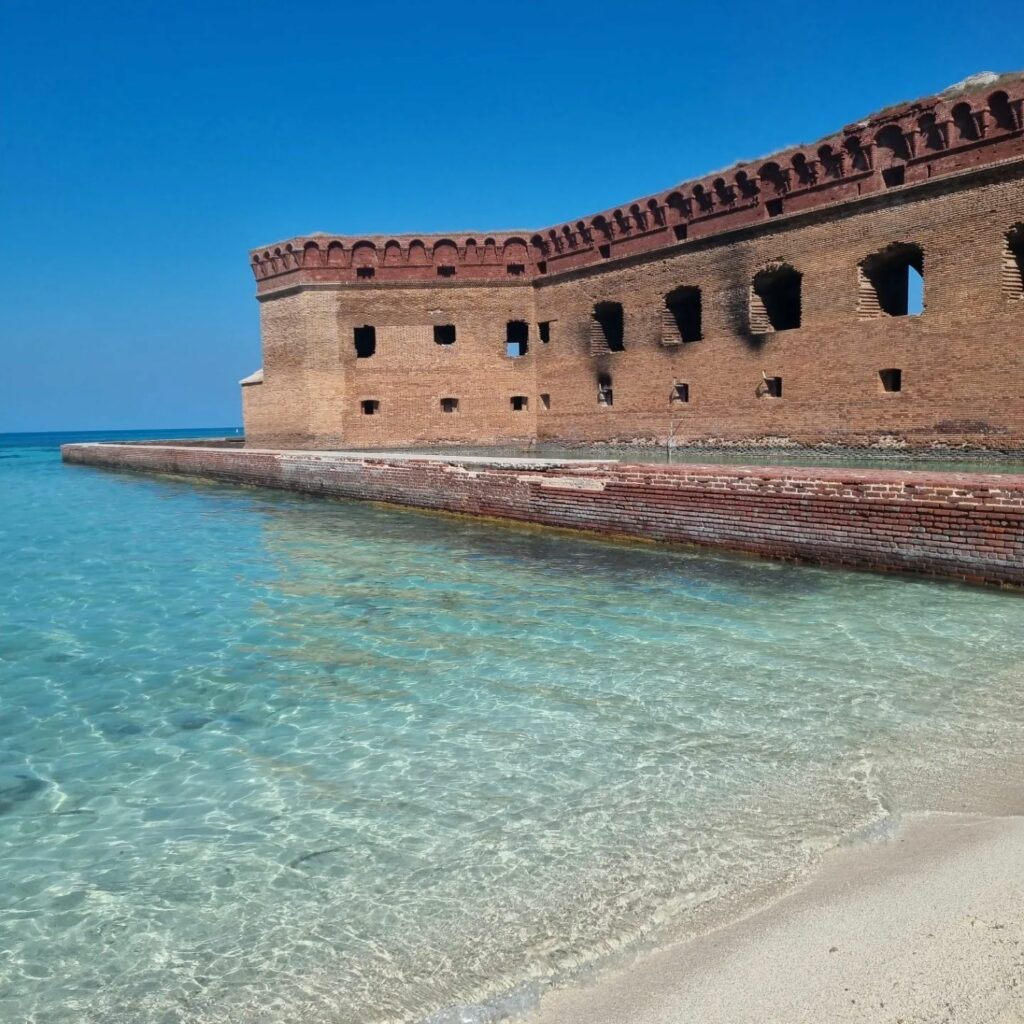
<point x="770" y="301"/>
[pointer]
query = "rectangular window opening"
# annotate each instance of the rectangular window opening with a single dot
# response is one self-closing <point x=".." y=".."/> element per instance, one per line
<point x="446" y="271"/>
<point x="365" y="340"/>
<point x="605" y="251"/>
<point x="607" y="328"/>
<point x="893" y="176"/>
<point x="444" y="334"/>
<point x="545" y="401"/>
<point x="365" y="272"/>
<point x="544" y="331"/>
<point x="773" y="387"/>
<point x="449" y="405"/>
<point x="518" y="403"/>
<point x="604" y="390"/>
<point x="680" y="392"/>
<point x="680" y="232"/>
<point x="774" y="207"/>
<point x="517" y="338"/>
<point x="682" y="316"/>
<point x="892" y="380"/>
<point x="515" y="269"/>
<point x="370" y="406"/>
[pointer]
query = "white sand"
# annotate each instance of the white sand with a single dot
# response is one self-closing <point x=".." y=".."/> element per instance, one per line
<point x="926" y="927"/>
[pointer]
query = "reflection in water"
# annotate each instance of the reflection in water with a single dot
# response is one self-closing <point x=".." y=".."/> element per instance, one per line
<point x="265" y="756"/>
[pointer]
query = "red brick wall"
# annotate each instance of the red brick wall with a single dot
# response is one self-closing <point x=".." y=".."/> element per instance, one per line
<point x="959" y="525"/>
<point x="823" y="209"/>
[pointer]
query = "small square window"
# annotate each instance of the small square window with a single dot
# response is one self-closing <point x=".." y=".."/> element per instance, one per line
<point x="545" y="401"/>
<point x="370" y="406"/>
<point x="444" y="334"/>
<point x="680" y="392"/>
<point x="365" y="272"/>
<point x="515" y="269"/>
<point x="680" y="232"/>
<point x="893" y="176"/>
<point x="449" y="405"/>
<point x="518" y="403"/>
<point x="774" y="207"/>
<point x="773" y="387"/>
<point x="892" y="380"/>
<point x="544" y="331"/>
<point x="446" y="271"/>
<point x="605" y="251"/>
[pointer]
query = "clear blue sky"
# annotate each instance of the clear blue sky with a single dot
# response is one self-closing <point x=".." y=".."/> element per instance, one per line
<point x="144" y="148"/>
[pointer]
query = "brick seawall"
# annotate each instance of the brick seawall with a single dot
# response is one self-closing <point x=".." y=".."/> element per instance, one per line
<point x="966" y="526"/>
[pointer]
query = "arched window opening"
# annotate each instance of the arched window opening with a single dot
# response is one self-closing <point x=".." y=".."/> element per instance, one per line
<point x="607" y="328"/>
<point x="930" y="132"/>
<point x="965" y="122"/>
<point x="681" y="317"/>
<point x="1013" y="263"/>
<point x="891" y="282"/>
<point x="365" y="339"/>
<point x="1002" y="112"/>
<point x="775" y="301"/>
<point x="517" y="338"/>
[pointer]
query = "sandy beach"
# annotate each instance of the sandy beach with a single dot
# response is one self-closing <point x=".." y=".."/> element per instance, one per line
<point x="927" y="926"/>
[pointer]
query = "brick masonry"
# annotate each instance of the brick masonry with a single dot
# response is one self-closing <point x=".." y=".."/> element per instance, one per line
<point x="942" y="178"/>
<point x="965" y="526"/>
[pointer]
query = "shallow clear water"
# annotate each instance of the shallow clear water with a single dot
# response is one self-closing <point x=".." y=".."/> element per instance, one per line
<point x="266" y="758"/>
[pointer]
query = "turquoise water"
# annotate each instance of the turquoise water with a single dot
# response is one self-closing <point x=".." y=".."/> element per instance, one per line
<point x="266" y="758"/>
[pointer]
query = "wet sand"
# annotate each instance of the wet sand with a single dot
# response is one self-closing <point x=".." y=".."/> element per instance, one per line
<point x="927" y="926"/>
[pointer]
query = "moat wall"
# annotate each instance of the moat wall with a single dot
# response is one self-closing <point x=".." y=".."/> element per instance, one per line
<point x="965" y="526"/>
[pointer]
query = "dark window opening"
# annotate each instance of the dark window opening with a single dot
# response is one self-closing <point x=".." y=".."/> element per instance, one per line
<point x="545" y="401"/>
<point x="446" y="271"/>
<point x="682" y="317"/>
<point x="774" y="207"/>
<point x="365" y="339"/>
<point x="449" y="405"/>
<point x="892" y="282"/>
<point x="444" y="334"/>
<point x="544" y="331"/>
<point x="517" y="338"/>
<point x="518" y="403"/>
<point x="370" y="406"/>
<point x="1013" y="263"/>
<point x="604" y="389"/>
<point x="607" y="327"/>
<point x="365" y="272"/>
<point x="893" y="176"/>
<point x="542" y="266"/>
<point x="516" y="269"/>
<point x="605" y="251"/>
<point x="680" y="392"/>
<point x="775" y="300"/>
<point x="772" y="386"/>
<point x="680" y="232"/>
<point x="892" y="380"/>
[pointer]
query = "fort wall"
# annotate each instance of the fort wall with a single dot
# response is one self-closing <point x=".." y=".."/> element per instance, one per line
<point x="964" y="526"/>
<point x="763" y="303"/>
